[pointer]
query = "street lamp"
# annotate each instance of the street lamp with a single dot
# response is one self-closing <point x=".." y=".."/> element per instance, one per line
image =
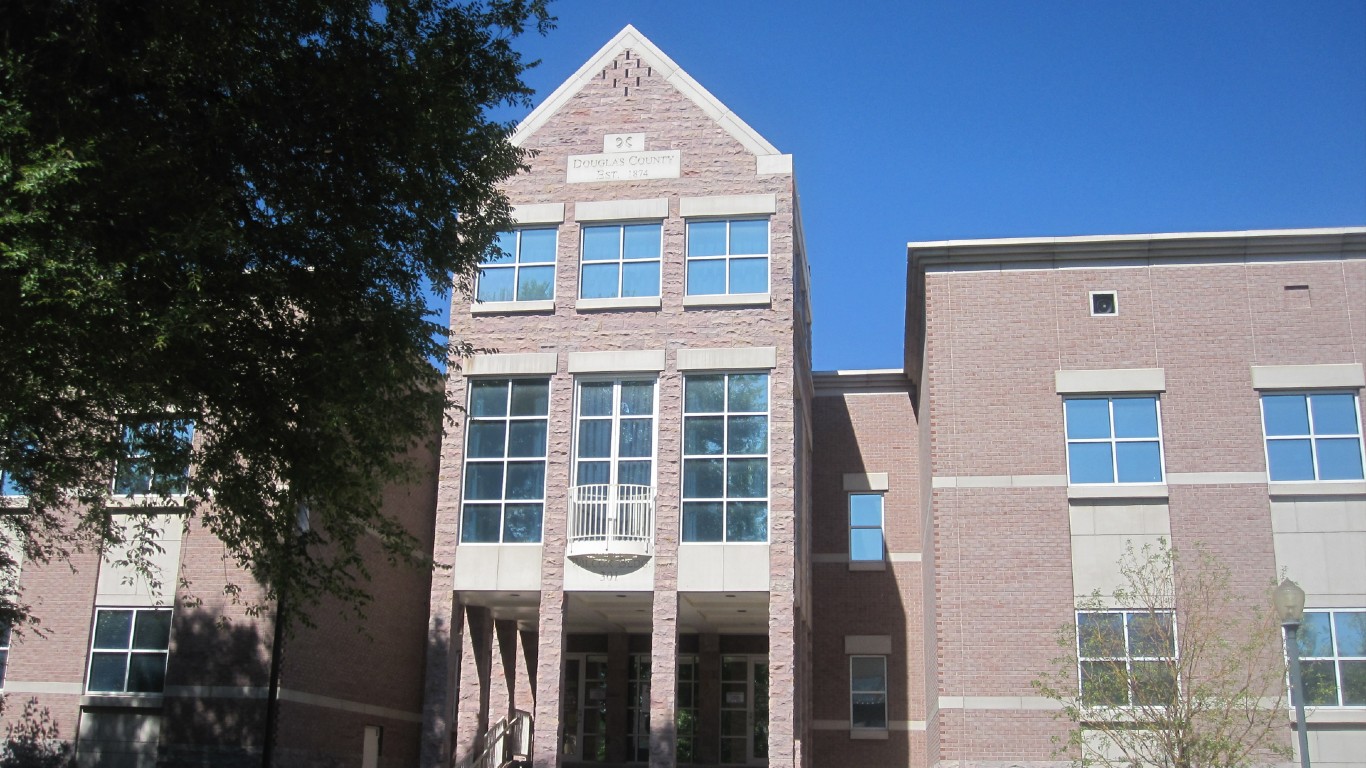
<point x="1289" y="601"/>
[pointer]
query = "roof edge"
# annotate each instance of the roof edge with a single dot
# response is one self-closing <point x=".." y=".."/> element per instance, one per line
<point x="631" y="38"/>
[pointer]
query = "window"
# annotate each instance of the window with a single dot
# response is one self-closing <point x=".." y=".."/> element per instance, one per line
<point x="1113" y="439"/>
<point x="156" y="458"/>
<point x="638" y="707"/>
<point x="868" y="691"/>
<point x="522" y="268"/>
<point x="505" y="461"/>
<point x="1104" y="303"/>
<point x="685" y="715"/>
<point x="8" y="487"/>
<point x="4" y="652"/>
<point x="614" y="433"/>
<point x="620" y="261"/>
<point x="1126" y="657"/>
<point x="128" y="654"/>
<point x="865" y="526"/>
<point x="725" y="457"/>
<point x="1333" y="658"/>
<point x="1312" y="436"/>
<point x="727" y="257"/>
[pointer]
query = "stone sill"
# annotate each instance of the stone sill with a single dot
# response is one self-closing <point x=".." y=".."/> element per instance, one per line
<point x="123" y="700"/>
<point x="868" y="734"/>
<point x="628" y="302"/>
<point x="1323" y="488"/>
<point x="1333" y="715"/>
<point x="148" y="501"/>
<point x="728" y="300"/>
<point x="1134" y="491"/>
<point x="867" y="565"/>
<point x="511" y="307"/>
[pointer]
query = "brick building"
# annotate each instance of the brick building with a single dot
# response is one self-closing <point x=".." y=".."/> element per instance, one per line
<point x="662" y="539"/>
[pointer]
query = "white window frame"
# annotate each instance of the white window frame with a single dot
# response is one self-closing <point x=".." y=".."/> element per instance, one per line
<point x="881" y="526"/>
<point x="621" y="261"/>
<point x="852" y="693"/>
<point x="127" y="455"/>
<point x="1114" y="441"/>
<point x="614" y="457"/>
<point x="6" y="638"/>
<point x="516" y="265"/>
<point x="1129" y="658"/>
<point x="1337" y="658"/>
<point x="1313" y="438"/>
<point x="129" y="651"/>
<point x="726" y="456"/>
<point x="1091" y="303"/>
<point x="507" y="418"/>
<point x="727" y="257"/>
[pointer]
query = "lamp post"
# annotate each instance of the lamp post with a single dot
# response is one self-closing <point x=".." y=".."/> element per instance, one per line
<point x="1289" y="601"/>
<point x="277" y="649"/>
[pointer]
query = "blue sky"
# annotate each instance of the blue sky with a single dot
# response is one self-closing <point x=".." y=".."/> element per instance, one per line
<point x="968" y="119"/>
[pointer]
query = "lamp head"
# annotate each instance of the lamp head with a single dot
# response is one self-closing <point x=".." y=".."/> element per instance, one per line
<point x="1289" y="601"/>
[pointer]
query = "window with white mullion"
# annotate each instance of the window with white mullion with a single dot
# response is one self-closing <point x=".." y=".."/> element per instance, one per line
<point x="620" y="261"/>
<point x="520" y="268"/>
<point x="1312" y="436"/>
<point x="728" y="256"/>
<point x="614" y="432"/>
<point x="1113" y="439"/>
<point x="505" y="453"/>
<point x="1125" y="658"/>
<point x="1332" y="648"/>
<point x="725" y="457"/>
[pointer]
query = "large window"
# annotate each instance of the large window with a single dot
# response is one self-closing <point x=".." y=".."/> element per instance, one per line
<point x="727" y="256"/>
<point x="1312" y="436"/>
<point x="505" y="461"/>
<point x="156" y="458"/>
<point x="1333" y="653"/>
<point x="1126" y="657"/>
<point x="868" y="691"/>
<point x="614" y="433"/>
<point x="128" y="652"/>
<point x="620" y="261"/>
<point x="522" y="268"/>
<point x="865" y="527"/>
<point x="1113" y="440"/>
<point x="725" y="457"/>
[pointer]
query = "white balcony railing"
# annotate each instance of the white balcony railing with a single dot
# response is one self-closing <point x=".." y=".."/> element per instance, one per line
<point x="611" y="521"/>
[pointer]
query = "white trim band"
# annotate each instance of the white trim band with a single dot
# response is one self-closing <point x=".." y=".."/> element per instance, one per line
<point x="727" y="359"/>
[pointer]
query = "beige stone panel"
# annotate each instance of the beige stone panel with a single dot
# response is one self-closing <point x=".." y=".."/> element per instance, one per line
<point x="1337" y="748"/>
<point x="1319" y="543"/>
<point x="121" y="584"/>
<point x="498" y="567"/>
<point x="578" y="578"/>
<point x="1101" y="534"/>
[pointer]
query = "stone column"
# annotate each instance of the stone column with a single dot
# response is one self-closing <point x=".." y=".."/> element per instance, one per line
<point x="708" y="736"/>
<point x="475" y="675"/>
<point x="503" y="680"/>
<point x="545" y="751"/>
<point x="524" y="692"/>
<point x="618" y="681"/>
<point x="664" y="681"/>
<point x="782" y="678"/>
<point x="442" y="682"/>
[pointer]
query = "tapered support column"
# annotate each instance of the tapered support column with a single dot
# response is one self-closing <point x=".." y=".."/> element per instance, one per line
<point x="442" y="684"/>
<point x="664" y="681"/>
<point x="476" y="664"/>
<point x="503" y="682"/>
<point x="545" y="752"/>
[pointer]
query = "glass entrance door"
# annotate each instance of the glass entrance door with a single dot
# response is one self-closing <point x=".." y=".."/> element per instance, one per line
<point x="584" y="709"/>
<point x="744" y="710"/>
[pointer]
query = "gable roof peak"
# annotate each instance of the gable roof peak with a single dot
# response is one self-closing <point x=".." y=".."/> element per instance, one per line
<point x="630" y="39"/>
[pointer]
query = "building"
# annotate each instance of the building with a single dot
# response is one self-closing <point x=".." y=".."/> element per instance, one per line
<point x="662" y="539"/>
<point x="137" y="673"/>
<point x="625" y="589"/>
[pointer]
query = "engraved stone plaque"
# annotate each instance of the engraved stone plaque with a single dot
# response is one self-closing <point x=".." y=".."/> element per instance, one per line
<point x="624" y="166"/>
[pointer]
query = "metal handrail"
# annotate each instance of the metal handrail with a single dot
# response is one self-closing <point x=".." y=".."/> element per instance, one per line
<point x="612" y="512"/>
<point x="504" y="741"/>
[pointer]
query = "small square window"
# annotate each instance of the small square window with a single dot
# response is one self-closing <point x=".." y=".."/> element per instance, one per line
<point x="1126" y="658"/>
<point x="128" y="650"/>
<point x="156" y="458"/>
<point x="1104" y="303"/>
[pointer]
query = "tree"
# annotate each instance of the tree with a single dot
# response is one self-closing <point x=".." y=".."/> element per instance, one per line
<point x="1172" y="669"/>
<point x="224" y="217"/>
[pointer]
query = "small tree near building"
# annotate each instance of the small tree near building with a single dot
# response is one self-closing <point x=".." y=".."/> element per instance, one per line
<point x="1174" y="668"/>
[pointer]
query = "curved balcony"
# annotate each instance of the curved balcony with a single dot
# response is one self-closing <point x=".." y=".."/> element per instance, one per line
<point x="611" y="523"/>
